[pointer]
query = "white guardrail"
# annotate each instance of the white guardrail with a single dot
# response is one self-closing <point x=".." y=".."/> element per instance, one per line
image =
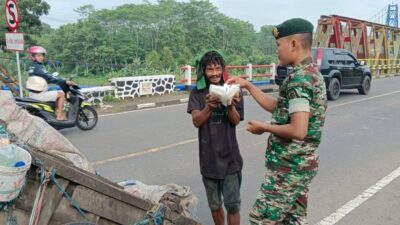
<point x="95" y="95"/>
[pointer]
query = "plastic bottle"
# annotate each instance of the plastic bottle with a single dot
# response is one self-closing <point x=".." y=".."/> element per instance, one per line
<point x="4" y="138"/>
<point x="8" y="156"/>
<point x="2" y="129"/>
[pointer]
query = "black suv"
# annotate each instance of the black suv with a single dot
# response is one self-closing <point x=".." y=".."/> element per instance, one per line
<point x="341" y="70"/>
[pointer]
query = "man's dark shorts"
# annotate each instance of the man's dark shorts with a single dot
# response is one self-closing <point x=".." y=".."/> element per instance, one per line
<point x="226" y="190"/>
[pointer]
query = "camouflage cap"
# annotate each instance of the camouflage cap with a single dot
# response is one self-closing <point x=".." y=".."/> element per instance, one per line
<point x="291" y="27"/>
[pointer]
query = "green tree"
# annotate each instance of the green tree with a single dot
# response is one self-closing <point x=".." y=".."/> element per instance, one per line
<point x="149" y="37"/>
<point x="85" y="11"/>
<point x="185" y="56"/>
<point x="30" y="23"/>
<point x="153" y="59"/>
<point x="266" y="41"/>
<point x="167" y="59"/>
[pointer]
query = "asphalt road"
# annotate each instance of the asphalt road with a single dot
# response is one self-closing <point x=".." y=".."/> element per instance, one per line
<point x="359" y="152"/>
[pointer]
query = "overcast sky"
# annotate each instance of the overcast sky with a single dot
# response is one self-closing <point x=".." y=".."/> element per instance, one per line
<point x="257" y="12"/>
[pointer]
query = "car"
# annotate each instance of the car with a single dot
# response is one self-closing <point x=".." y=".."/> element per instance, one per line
<point x="340" y="69"/>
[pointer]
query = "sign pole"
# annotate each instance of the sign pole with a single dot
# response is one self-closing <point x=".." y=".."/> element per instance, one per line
<point x="21" y="94"/>
<point x="13" y="20"/>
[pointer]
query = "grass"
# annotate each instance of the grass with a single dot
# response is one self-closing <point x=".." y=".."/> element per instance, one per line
<point x="91" y="81"/>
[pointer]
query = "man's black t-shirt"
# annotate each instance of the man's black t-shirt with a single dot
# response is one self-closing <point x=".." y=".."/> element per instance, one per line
<point x="218" y="147"/>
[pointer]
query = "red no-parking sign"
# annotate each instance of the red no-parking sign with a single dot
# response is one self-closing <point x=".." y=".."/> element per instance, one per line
<point x="12" y="14"/>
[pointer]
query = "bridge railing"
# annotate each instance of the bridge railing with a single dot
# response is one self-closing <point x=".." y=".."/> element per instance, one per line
<point x="250" y="72"/>
<point x="381" y="67"/>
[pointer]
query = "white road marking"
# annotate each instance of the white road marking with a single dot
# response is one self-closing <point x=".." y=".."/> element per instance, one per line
<point x="363" y="100"/>
<point x="151" y="150"/>
<point x="141" y="110"/>
<point x="192" y="140"/>
<point x="331" y="219"/>
<point x="360" y="199"/>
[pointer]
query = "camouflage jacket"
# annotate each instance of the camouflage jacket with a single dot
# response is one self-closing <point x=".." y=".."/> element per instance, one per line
<point x="302" y="91"/>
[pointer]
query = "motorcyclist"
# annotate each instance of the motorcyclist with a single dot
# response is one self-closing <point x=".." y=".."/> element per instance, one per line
<point x="38" y="81"/>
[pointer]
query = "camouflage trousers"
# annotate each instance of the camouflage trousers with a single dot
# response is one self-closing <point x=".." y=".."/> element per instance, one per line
<point x="282" y="199"/>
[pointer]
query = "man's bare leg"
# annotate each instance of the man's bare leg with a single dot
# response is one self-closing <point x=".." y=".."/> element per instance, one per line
<point x="234" y="219"/>
<point x="60" y="106"/>
<point x="218" y="216"/>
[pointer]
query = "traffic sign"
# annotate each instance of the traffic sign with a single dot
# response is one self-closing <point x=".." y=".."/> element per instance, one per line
<point x="12" y="14"/>
<point x="15" y="41"/>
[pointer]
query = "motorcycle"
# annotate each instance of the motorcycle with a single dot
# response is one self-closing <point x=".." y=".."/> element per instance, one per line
<point x="79" y="112"/>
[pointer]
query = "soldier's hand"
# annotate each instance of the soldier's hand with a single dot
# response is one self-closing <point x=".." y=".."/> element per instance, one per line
<point x="212" y="101"/>
<point x="237" y="80"/>
<point x="256" y="127"/>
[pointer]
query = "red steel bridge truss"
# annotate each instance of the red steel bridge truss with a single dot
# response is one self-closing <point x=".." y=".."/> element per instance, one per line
<point x="377" y="44"/>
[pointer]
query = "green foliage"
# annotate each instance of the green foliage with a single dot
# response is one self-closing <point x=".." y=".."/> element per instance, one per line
<point x="167" y="59"/>
<point x="85" y="10"/>
<point x="118" y="36"/>
<point x="153" y="60"/>
<point x="30" y="24"/>
<point x="110" y="98"/>
<point x="92" y="80"/>
<point x="266" y="41"/>
<point x="147" y="39"/>
<point x="185" y="56"/>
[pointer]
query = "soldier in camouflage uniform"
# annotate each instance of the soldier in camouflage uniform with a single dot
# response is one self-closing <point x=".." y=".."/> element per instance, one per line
<point x="298" y="116"/>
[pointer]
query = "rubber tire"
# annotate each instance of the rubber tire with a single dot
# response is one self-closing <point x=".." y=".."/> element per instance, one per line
<point x="81" y="124"/>
<point x="366" y="86"/>
<point x="334" y="89"/>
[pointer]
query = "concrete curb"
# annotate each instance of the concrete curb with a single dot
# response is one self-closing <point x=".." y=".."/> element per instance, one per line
<point x="146" y="105"/>
<point x="385" y="76"/>
<point x="172" y="102"/>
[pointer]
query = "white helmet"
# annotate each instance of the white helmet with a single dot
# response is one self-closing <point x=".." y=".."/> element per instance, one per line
<point x="36" y="83"/>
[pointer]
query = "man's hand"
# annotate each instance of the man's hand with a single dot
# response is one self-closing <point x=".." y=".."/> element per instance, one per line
<point x="257" y="127"/>
<point x="212" y="101"/>
<point x="70" y="82"/>
<point x="237" y="80"/>
<point x="235" y="100"/>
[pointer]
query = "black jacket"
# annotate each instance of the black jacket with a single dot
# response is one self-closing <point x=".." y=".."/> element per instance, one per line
<point x="37" y="69"/>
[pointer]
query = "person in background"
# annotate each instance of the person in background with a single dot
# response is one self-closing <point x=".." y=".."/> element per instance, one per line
<point x="39" y="79"/>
